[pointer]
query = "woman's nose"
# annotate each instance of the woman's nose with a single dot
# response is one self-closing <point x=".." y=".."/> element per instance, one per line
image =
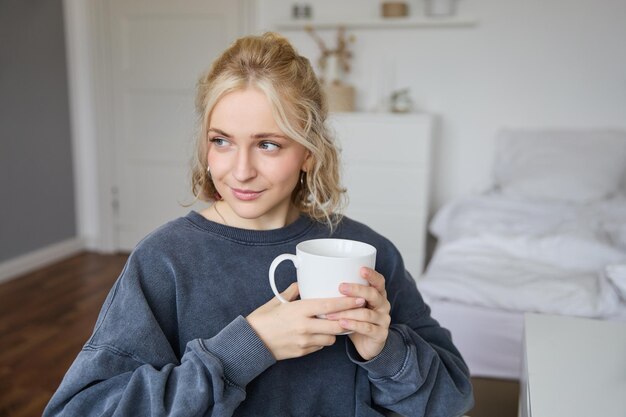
<point x="244" y="167"/>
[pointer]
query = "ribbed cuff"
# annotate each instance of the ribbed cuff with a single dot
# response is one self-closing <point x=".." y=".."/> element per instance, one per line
<point x="388" y="363"/>
<point x="242" y="353"/>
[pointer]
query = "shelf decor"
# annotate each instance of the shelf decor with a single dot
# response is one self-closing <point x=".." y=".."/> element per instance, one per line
<point x="394" y="9"/>
<point x="334" y="64"/>
<point x="440" y="8"/>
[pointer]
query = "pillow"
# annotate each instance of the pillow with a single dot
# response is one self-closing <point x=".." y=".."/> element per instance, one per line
<point x="567" y="165"/>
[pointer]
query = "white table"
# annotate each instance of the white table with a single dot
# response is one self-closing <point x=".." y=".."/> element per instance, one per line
<point x="573" y="367"/>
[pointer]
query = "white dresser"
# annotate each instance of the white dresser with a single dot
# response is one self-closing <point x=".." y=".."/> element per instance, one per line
<point x="386" y="160"/>
<point x="573" y="367"/>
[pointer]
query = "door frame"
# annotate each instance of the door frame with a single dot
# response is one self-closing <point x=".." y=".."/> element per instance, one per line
<point x="88" y="51"/>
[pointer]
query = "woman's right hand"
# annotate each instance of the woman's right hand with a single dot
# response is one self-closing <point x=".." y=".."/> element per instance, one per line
<point x="291" y="330"/>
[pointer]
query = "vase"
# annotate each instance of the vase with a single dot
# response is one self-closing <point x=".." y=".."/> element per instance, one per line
<point x="440" y="8"/>
<point x="339" y="97"/>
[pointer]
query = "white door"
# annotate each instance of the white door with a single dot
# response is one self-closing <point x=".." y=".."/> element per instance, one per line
<point x="158" y="49"/>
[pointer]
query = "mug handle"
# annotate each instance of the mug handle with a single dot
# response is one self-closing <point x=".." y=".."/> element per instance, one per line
<point x="274" y="265"/>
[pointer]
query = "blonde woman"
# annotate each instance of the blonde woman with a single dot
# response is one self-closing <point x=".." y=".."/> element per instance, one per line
<point x="191" y="327"/>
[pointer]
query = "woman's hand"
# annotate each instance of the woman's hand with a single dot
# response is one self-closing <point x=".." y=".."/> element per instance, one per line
<point x="291" y="330"/>
<point x="371" y="322"/>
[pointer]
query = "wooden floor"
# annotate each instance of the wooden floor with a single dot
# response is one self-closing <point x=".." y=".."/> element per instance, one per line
<point x="46" y="316"/>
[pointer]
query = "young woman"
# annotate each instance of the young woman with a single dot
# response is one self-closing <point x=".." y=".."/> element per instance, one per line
<point x="191" y="327"/>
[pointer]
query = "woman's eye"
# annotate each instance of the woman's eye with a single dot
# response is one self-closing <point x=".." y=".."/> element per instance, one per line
<point x="269" y="146"/>
<point x="219" y="142"/>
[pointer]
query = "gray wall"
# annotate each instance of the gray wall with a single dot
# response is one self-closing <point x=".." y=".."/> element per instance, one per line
<point x="36" y="185"/>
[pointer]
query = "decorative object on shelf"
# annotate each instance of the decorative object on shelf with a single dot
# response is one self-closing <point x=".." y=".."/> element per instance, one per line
<point x="334" y="64"/>
<point x="394" y="9"/>
<point x="440" y="8"/>
<point x="301" y="11"/>
<point x="401" y="101"/>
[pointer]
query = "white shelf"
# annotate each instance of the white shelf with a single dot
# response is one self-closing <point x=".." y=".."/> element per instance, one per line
<point x="380" y="23"/>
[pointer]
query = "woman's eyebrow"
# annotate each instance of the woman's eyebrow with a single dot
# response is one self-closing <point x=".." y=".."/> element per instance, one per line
<point x="219" y="132"/>
<point x="262" y="135"/>
<point x="268" y="135"/>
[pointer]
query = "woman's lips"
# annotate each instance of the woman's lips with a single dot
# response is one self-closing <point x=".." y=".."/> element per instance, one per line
<point x="246" y="195"/>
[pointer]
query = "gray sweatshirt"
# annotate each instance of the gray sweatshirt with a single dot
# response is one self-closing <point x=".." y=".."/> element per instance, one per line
<point x="172" y="339"/>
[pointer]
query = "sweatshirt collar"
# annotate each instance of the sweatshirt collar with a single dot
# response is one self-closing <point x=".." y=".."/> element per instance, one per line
<point x="290" y="232"/>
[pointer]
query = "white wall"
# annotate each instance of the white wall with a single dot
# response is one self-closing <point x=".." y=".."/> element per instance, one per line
<point x="528" y="63"/>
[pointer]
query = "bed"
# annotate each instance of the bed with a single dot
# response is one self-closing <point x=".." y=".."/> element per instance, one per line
<point x="549" y="237"/>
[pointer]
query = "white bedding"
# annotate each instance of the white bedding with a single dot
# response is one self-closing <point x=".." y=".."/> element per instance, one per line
<point x="523" y="255"/>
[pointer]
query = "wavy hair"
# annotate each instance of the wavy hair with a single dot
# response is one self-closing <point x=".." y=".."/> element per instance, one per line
<point x="270" y="63"/>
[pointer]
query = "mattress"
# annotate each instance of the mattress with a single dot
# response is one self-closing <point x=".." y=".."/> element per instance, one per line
<point x="490" y="340"/>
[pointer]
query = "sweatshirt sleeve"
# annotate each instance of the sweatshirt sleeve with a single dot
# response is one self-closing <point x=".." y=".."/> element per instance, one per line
<point x="129" y="366"/>
<point x="419" y="372"/>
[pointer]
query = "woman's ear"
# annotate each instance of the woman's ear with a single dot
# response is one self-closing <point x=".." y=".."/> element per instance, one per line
<point x="308" y="162"/>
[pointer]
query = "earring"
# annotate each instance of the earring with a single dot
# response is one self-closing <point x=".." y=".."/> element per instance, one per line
<point x="302" y="174"/>
<point x="216" y="196"/>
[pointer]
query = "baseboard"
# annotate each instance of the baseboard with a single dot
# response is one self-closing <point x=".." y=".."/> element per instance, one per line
<point x="37" y="259"/>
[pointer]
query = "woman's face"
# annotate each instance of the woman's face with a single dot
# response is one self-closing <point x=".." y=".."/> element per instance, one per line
<point x="254" y="166"/>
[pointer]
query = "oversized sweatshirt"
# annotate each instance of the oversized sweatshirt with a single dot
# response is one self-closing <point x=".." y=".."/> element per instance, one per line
<point x="172" y="338"/>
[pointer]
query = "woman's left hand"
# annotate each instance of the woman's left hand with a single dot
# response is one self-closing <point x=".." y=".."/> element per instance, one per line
<point x="370" y="323"/>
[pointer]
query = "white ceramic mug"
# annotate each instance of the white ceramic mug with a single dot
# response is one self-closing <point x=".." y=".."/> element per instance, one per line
<point x="323" y="264"/>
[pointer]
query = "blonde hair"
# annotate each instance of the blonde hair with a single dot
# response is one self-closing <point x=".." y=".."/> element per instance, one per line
<point x="270" y="63"/>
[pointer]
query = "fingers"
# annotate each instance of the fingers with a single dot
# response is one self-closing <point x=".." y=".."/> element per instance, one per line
<point x="375" y="279"/>
<point x="375" y="294"/>
<point x="360" y="327"/>
<point x="369" y="323"/>
<point x="322" y="306"/>
<point x="369" y="330"/>
<point x="374" y="298"/>
<point x="362" y="315"/>
<point x="322" y="327"/>
<point x="291" y="293"/>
